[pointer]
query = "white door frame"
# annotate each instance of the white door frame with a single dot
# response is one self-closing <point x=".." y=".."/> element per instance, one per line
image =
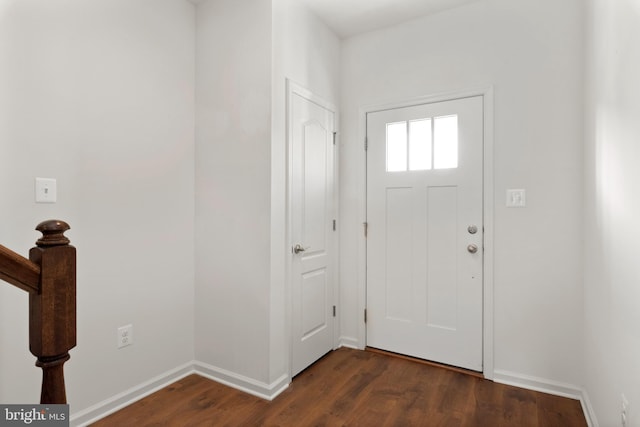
<point x="294" y="88"/>
<point x="488" y="212"/>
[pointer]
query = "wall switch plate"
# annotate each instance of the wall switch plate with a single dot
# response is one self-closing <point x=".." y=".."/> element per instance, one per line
<point x="125" y="336"/>
<point x="46" y="190"/>
<point x="516" y="198"/>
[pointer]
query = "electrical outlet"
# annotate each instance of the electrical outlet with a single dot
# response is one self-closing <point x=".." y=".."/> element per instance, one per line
<point x="625" y="410"/>
<point x="125" y="336"/>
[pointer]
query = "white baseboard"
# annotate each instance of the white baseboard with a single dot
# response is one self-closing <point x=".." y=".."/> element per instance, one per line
<point x="550" y="387"/>
<point x="348" y="342"/>
<point x="240" y="382"/>
<point x="126" y="398"/>
<point x="589" y="413"/>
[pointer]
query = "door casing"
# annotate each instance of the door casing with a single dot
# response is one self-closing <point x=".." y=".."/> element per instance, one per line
<point x="488" y="212"/>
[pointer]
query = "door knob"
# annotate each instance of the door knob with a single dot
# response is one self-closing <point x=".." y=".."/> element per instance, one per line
<point x="472" y="248"/>
<point x="298" y="248"/>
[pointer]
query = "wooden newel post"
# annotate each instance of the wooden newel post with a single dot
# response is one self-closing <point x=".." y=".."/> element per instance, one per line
<point x="52" y="311"/>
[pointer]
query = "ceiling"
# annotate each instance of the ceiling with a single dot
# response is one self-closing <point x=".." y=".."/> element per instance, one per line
<point x="350" y="17"/>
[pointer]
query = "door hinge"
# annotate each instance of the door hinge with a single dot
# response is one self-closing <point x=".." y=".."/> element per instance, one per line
<point x="366" y="228"/>
<point x="366" y="144"/>
<point x="334" y="137"/>
<point x="365" y="315"/>
<point x="334" y="225"/>
<point x="334" y="311"/>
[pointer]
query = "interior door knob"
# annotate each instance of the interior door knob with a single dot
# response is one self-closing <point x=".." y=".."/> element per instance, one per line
<point x="472" y="248"/>
<point x="298" y="248"/>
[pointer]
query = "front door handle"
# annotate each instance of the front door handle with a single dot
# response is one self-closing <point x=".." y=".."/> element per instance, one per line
<point x="472" y="249"/>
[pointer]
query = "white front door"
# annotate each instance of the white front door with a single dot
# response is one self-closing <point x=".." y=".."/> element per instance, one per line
<point x="425" y="231"/>
<point x="312" y="228"/>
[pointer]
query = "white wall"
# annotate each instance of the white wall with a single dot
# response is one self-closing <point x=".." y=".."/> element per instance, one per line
<point x="100" y="95"/>
<point x="612" y="230"/>
<point x="308" y="53"/>
<point x="531" y="53"/>
<point x="233" y="169"/>
<point x="241" y="294"/>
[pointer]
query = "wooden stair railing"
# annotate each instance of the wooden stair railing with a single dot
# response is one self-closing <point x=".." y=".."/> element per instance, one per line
<point x="49" y="276"/>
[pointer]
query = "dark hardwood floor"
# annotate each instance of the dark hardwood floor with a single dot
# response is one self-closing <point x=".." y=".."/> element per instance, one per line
<point x="355" y="388"/>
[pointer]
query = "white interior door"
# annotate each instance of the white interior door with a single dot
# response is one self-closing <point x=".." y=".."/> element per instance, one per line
<point x="312" y="229"/>
<point x="425" y="231"/>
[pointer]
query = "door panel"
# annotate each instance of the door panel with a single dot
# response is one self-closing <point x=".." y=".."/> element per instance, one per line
<point x="315" y="177"/>
<point x="399" y="231"/>
<point x="424" y="190"/>
<point x="442" y="262"/>
<point x="314" y="290"/>
<point x="312" y="195"/>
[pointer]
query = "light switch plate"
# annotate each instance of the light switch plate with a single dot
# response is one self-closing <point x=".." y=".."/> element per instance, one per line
<point x="46" y="190"/>
<point x="516" y="198"/>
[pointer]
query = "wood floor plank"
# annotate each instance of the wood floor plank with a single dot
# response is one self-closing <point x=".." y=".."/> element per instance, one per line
<point x="355" y="388"/>
<point x="554" y="411"/>
<point x="488" y="400"/>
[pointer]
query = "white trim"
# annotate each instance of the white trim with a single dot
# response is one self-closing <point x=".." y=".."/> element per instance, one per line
<point x="487" y="310"/>
<point x="295" y="88"/>
<point x="588" y="410"/>
<point x="126" y="398"/>
<point x="537" y="384"/>
<point x="336" y="240"/>
<point x="348" y="342"/>
<point x="242" y="383"/>
<point x="550" y="387"/>
<point x="488" y="213"/>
